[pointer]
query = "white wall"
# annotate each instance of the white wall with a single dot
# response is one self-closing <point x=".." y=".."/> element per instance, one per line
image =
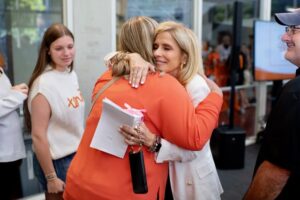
<point x="94" y="26"/>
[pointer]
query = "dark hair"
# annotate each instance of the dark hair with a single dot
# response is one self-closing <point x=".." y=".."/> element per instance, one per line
<point x="54" y="32"/>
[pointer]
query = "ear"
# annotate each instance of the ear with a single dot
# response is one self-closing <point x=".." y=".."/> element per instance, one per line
<point x="184" y="59"/>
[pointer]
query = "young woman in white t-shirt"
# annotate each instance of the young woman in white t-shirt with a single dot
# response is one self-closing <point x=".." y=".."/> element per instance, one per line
<point x="55" y="109"/>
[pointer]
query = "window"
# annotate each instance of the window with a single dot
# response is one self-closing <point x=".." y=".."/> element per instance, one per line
<point x="21" y="29"/>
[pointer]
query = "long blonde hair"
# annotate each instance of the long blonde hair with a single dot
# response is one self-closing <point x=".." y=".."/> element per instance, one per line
<point x="136" y="36"/>
<point x="188" y="43"/>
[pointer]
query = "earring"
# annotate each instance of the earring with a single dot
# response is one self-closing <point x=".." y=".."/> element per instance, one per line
<point x="182" y="65"/>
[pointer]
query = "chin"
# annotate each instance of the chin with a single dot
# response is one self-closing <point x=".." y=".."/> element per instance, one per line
<point x="289" y="57"/>
<point x="161" y="69"/>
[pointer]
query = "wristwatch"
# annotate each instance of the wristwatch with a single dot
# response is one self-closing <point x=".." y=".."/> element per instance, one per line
<point x="156" y="145"/>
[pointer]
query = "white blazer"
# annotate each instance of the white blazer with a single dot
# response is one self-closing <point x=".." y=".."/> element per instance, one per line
<point x="193" y="174"/>
<point x="12" y="145"/>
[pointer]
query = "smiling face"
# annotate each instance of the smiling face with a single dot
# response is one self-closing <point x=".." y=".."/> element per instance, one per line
<point x="167" y="53"/>
<point x="62" y="52"/>
<point x="292" y="41"/>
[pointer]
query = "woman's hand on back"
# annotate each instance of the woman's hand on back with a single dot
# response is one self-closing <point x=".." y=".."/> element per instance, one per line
<point x="21" y="88"/>
<point x="139" y="69"/>
<point x="213" y="86"/>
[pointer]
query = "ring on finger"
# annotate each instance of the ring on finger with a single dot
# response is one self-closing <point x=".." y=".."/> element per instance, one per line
<point x="137" y="129"/>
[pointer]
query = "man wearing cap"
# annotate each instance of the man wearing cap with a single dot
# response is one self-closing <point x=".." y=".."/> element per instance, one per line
<point x="277" y="170"/>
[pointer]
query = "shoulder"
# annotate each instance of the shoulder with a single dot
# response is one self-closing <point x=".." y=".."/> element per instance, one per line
<point x="197" y="89"/>
<point x="103" y="78"/>
<point x="293" y="85"/>
<point x="106" y="76"/>
<point x="197" y="83"/>
<point x="44" y="80"/>
<point x="291" y="91"/>
<point x="164" y="81"/>
<point x="197" y="79"/>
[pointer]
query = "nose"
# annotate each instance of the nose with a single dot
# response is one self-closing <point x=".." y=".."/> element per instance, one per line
<point x="66" y="51"/>
<point x="285" y="37"/>
<point x="156" y="52"/>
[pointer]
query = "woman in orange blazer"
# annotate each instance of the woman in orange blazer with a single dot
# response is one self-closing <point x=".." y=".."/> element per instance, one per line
<point x="94" y="174"/>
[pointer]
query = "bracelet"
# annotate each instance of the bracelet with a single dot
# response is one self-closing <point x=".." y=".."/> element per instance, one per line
<point x="156" y="145"/>
<point x="51" y="176"/>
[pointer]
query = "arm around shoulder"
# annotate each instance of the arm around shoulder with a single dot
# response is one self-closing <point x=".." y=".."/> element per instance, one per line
<point x="181" y="123"/>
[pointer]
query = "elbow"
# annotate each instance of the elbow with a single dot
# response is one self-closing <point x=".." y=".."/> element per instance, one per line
<point x="38" y="139"/>
<point x="199" y="144"/>
<point x="195" y="145"/>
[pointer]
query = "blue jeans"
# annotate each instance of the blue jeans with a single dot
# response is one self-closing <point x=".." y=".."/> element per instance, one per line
<point x="60" y="165"/>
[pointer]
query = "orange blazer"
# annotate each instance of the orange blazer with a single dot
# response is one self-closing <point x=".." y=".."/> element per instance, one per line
<point x="94" y="174"/>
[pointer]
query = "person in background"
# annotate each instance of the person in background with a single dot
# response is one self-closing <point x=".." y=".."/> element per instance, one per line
<point x="94" y="174"/>
<point x="241" y="100"/>
<point x="212" y="63"/>
<point x="193" y="174"/>
<point x="206" y="49"/>
<point x="248" y="79"/>
<point x="55" y="110"/>
<point x="12" y="148"/>
<point x="277" y="170"/>
<point x="224" y="48"/>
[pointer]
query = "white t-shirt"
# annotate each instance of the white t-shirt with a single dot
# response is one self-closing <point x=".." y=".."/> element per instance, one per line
<point x="61" y="89"/>
<point x="12" y="146"/>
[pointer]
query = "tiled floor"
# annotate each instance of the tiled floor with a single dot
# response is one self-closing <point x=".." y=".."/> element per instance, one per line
<point x="236" y="182"/>
<point x="34" y="197"/>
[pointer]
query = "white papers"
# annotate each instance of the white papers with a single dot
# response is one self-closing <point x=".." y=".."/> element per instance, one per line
<point x="106" y="137"/>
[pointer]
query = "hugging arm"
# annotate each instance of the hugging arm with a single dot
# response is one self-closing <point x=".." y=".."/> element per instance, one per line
<point x="138" y="67"/>
<point x="208" y="113"/>
<point x="167" y="152"/>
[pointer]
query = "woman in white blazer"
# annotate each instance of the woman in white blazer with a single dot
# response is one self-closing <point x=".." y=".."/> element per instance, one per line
<point x="193" y="175"/>
<point x="12" y="148"/>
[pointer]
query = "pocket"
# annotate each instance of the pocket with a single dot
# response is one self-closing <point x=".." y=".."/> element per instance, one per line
<point x="204" y="170"/>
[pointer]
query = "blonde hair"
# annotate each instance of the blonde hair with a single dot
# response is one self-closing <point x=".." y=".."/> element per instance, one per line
<point x="188" y="43"/>
<point x="136" y="36"/>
